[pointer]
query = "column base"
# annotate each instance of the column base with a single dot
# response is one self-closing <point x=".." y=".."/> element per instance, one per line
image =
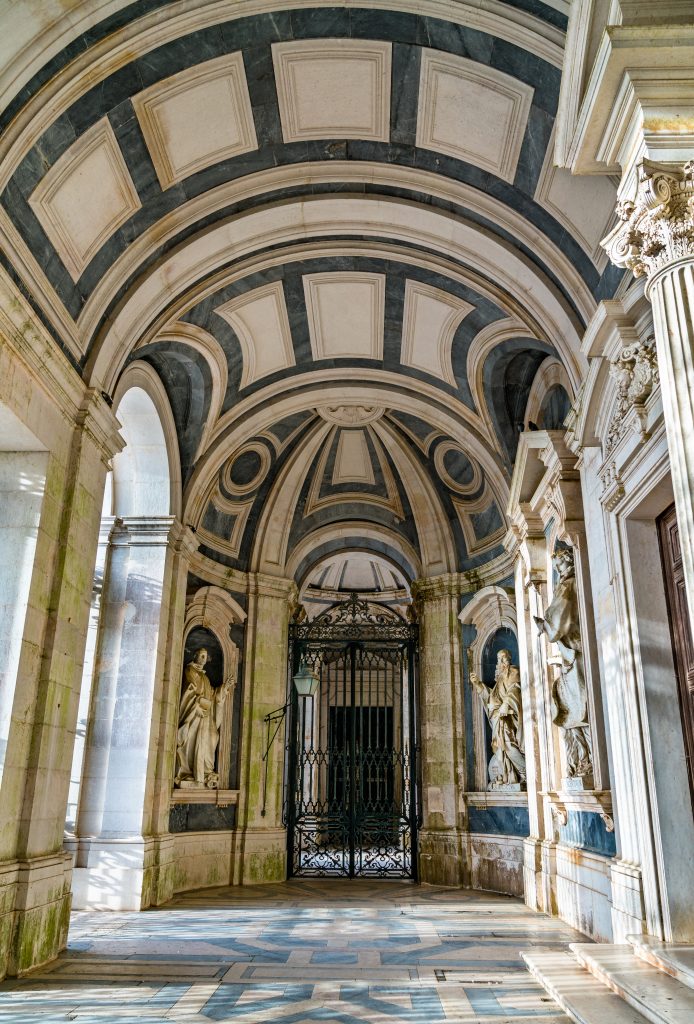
<point x="34" y="912"/>
<point x="260" y="855"/>
<point x="532" y="874"/>
<point x="548" y="876"/>
<point x="159" y="878"/>
<point x="627" y="901"/>
<point x="442" y="858"/>
<point x="109" y="874"/>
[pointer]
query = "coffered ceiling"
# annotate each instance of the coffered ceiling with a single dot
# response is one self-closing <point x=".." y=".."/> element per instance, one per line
<point x="284" y="208"/>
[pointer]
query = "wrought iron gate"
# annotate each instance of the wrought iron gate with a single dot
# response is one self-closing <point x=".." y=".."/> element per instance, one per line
<point x="351" y="752"/>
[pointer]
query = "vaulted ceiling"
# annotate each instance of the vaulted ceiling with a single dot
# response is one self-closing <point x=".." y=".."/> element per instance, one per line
<point x="337" y="237"/>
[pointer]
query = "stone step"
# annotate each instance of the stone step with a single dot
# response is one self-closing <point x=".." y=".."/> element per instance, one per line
<point x="672" y="958"/>
<point x="579" y="994"/>
<point x="658" y="997"/>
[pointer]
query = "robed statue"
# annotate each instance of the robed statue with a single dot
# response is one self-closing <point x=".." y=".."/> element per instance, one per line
<point x="562" y="627"/>
<point x="199" y="722"/>
<point x="502" y="703"/>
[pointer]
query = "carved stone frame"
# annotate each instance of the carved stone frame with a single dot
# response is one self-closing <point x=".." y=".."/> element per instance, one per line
<point x="215" y="609"/>
<point x="546" y="493"/>
<point x="491" y="608"/>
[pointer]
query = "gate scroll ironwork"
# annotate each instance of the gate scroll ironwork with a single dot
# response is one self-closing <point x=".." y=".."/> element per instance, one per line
<point x="351" y="806"/>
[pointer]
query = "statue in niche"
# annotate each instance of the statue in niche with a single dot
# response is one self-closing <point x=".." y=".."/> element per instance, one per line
<point x="199" y="721"/>
<point x="569" y="699"/>
<point x="502" y="703"/>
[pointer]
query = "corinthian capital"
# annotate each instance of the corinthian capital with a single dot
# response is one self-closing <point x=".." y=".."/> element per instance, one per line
<point x="657" y="226"/>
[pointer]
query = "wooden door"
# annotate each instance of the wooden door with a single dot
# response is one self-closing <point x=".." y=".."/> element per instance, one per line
<point x="682" y="646"/>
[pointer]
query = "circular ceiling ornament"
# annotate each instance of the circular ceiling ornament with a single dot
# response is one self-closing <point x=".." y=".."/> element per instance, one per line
<point x="351" y="415"/>
<point x="456" y="469"/>
<point x="246" y="469"/>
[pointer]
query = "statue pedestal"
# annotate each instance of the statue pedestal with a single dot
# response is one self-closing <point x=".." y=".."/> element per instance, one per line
<point x="198" y="795"/>
<point x="579" y="784"/>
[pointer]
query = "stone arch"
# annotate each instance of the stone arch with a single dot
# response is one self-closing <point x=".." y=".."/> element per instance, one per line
<point x="354" y="536"/>
<point x="550" y="376"/>
<point x="146" y="474"/>
<point x="405" y="223"/>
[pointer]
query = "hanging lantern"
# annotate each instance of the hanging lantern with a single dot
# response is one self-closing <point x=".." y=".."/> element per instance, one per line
<point x="306" y="681"/>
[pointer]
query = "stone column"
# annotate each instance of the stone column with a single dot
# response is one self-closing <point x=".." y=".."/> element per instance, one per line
<point x="131" y="652"/>
<point x="159" y="867"/>
<point x="36" y="872"/>
<point x="261" y="838"/>
<point x="441" y="732"/>
<point x="655" y="238"/>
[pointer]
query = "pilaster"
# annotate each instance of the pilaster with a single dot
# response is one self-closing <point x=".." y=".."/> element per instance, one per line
<point x="42" y="728"/>
<point x="261" y="838"/>
<point x="441" y="717"/>
<point x="655" y="239"/>
<point x="158" y="878"/>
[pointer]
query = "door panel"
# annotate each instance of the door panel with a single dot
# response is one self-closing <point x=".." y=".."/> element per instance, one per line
<point x="678" y="610"/>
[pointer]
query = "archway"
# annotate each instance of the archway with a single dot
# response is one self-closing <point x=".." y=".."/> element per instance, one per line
<point x="352" y="797"/>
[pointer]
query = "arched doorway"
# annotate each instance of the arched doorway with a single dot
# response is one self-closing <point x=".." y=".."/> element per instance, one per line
<point x="352" y="803"/>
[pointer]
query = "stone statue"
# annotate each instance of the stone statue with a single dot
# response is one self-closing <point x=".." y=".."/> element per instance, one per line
<point x="570" y="705"/>
<point x="502" y="702"/>
<point x="199" y="721"/>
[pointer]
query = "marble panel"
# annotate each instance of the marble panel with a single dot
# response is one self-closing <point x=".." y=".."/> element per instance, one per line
<point x="197" y="117"/>
<point x="85" y="197"/>
<point x="586" y="830"/>
<point x="345" y="314"/>
<point x="473" y="113"/>
<point x="496" y="863"/>
<point x="584" y="892"/>
<point x="333" y="89"/>
<point x="352" y="461"/>
<point x="430" y="319"/>
<point x="261" y="323"/>
<point x="481" y="522"/>
<point x="507" y="821"/>
<point x="584" y="205"/>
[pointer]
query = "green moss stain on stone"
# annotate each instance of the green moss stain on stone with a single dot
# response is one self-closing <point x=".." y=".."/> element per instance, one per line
<point x="41" y="934"/>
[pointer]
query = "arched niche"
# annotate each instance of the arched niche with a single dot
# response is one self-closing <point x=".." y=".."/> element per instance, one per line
<point x="146" y="474"/>
<point x="209" y="616"/>
<point x="492" y="613"/>
<point x="550" y="394"/>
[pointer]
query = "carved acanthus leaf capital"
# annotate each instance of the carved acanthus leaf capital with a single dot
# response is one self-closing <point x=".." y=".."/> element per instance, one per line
<point x="657" y="226"/>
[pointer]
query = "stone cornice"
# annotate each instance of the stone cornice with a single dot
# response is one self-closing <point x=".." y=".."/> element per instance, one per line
<point x="455" y="584"/>
<point x="97" y="420"/>
<point x="433" y="588"/>
<point x="656" y="226"/>
<point x="147" y="530"/>
<point x="219" y="575"/>
<point x="263" y="585"/>
<point x="24" y="333"/>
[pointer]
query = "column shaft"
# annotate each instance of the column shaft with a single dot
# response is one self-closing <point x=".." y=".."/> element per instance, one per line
<point x="261" y="842"/>
<point x="441" y="731"/>
<point x="113" y="805"/>
<point x="672" y="295"/>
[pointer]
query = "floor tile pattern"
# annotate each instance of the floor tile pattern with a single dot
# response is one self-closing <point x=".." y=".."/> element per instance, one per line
<point x="304" y="951"/>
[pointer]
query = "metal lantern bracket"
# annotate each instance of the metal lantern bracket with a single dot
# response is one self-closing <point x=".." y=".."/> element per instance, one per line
<point x="273" y="721"/>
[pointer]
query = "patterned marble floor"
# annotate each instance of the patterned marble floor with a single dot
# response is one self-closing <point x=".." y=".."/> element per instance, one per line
<point x="305" y="951"/>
